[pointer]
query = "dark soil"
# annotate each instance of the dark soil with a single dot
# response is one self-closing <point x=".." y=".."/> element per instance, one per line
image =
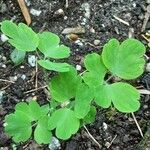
<point x="100" y="26"/>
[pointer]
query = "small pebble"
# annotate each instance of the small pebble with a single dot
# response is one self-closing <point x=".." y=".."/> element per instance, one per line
<point x="92" y="30"/>
<point x="65" y="17"/>
<point x="86" y="7"/>
<point x="148" y="1"/>
<point x="84" y="21"/>
<point x="107" y="144"/>
<point x="13" y="79"/>
<point x="3" y="8"/>
<point x="78" y="42"/>
<point x="55" y="144"/>
<point x="23" y="77"/>
<point x="105" y="126"/>
<point x="35" y="12"/>
<point x="28" y="2"/>
<point x="3" y="66"/>
<point x="1" y="96"/>
<point x="4" y="38"/>
<point x="59" y="12"/>
<point x="78" y="67"/>
<point x="32" y="60"/>
<point x="96" y="42"/>
<point x="4" y="58"/>
<point x="22" y="67"/>
<point x="148" y="67"/>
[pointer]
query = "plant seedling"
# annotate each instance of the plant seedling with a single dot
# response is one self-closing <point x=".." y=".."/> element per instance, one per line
<point x="24" y="39"/>
<point x="73" y="95"/>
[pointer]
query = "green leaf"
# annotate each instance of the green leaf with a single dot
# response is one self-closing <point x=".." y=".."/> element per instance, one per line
<point x="18" y="126"/>
<point x="124" y="97"/>
<point x="65" y="122"/>
<point x="49" y="46"/>
<point x="17" y="56"/>
<point x="96" y="70"/>
<point x="63" y="86"/>
<point x="41" y="133"/>
<point x="21" y="37"/>
<point x="29" y="110"/>
<point x="125" y="60"/>
<point x="59" y="67"/>
<point x="84" y="96"/>
<point x="90" y="117"/>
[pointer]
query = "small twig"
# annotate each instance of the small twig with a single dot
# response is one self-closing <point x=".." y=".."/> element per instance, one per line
<point x="141" y="133"/>
<point x="25" y="11"/>
<point x="121" y="20"/>
<point x="33" y="90"/>
<point x="148" y="40"/>
<point x="67" y="4"/>
<point x="146" y="18"/>
<point x="3" y="88"/>
<point x="82" y="72"/>
<point x="109" y="78"/>
<point x="144" y="91"/>
<point x="92" y="137"/>
<point x="112" y="141"/>
<point x="3" y="80"/>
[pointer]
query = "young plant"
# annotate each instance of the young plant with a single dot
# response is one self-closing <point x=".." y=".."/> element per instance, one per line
<point x="73" y="95"/>
<point x="24" y="39"/>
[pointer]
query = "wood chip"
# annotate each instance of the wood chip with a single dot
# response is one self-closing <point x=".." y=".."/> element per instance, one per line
<point x="76" y="30"/>
<point x="25" y="11"/>
<point x="121" y="20"/>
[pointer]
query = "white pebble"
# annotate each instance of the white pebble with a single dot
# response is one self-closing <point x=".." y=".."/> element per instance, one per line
<point x="23" y="77"/>
<point x="78" y="42"/>
<point x="86" y="7"/>
<point x="4" y="38"/>
<point x="1" y="95"/>
<point x="13" y="79"/>
<point x="96" y="42"/>
<point x="148" y="67"/>
<point x="105" y="126"/>
<point x="28" y="2"/>
<point x="78" y="67"/>
<point x="32" y="60"/>
<point x="55" y="144"/>
<point x="3" y="66"/>
<point x="35" y="12"/>
<point x="59" y="12"/>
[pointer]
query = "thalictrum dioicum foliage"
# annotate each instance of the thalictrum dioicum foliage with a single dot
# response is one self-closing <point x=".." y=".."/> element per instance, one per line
<point x="24" y="40"/>
<point x="73" y="94"/>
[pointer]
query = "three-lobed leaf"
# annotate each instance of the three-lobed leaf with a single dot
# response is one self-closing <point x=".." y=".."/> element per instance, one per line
<point x="124" y="97"/>
<point x="96" y="70"/>
<point x="42" y="134"/>
<point x="19" y="124"/>
<point x="83" y="98"/>
<point x="49" y="46"/>
<point x="21" y="37"/>
<point x="90" y="117"/>
<point x="126" y="59"/>
<point x="65" y="122"/>
<point x="63" y="86"/>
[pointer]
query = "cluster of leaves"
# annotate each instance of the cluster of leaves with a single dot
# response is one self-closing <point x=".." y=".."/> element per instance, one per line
<point x="73" y="96"/>
<point x="24" y="39"/>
